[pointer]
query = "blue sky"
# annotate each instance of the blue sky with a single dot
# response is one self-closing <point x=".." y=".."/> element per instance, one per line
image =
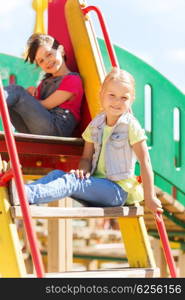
<point x="154" y="30"/>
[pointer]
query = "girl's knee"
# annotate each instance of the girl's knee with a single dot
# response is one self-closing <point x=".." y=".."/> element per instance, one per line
<point x="57" y="173"/>
<point x="15" y="91"/>
<point x="14" y="87"/>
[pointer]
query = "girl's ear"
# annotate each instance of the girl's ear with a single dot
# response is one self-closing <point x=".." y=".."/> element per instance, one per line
<point x="134" y="97"/>
<point x="101" y="93"/>
<point x="101" y="96"/>
<point x="61" y="48"/>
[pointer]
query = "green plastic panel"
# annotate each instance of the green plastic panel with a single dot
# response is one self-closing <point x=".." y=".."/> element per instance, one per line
<point x="25" y="74"/>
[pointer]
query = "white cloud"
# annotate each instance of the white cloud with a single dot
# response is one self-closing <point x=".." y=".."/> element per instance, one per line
<point x="4" y="26"/>
<point x="176" y="55"/>
<point x="159" y="6"/>
<point x="10" y="5"/>
<point x="8" y="12"/>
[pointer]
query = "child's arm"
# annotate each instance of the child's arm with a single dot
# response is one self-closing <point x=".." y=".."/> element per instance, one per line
<point x="84" y="168"/>
<point x="32" y="90"/>
<point x="55" y="99"/>
<point x="151" y="201"/>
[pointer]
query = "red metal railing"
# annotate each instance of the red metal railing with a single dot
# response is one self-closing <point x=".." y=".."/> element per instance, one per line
<point x="109" y="46"/>
<point x="15" y="164"/>
<point x="166" y="246"/>
<point x="159" y="220"/>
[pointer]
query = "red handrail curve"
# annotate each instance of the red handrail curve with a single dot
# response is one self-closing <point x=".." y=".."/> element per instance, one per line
<point x="110" y="48"/>
<point x="15" y="164"/>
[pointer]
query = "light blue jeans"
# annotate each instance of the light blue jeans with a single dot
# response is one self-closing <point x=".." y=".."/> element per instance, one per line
<point x="29" y="116"/>
<point x="57" y="184"/>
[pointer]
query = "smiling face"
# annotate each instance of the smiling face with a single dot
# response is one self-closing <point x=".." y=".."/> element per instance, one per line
<point x="49" y="59"/>
<point x="116" y="99"/>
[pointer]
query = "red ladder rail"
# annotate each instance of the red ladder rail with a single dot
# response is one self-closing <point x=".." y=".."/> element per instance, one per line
<point x="15" y="164"/>
<point x="165" y="244"/>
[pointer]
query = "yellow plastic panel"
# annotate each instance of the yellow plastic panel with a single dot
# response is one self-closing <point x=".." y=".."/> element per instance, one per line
<point x="87" y="53"/>
<point x="11" y="258"/>
<point x="136" y="241"/>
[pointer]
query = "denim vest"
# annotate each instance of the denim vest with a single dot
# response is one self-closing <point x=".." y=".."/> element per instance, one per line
<point x="120" y="158"/>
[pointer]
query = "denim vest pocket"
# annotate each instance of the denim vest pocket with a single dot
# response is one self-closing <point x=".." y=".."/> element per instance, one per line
<point x="119" y="140"/>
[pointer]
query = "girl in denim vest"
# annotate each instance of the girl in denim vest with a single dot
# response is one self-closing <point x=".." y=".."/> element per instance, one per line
<point x="113" y="140"/>
<point x="52" y="108"/>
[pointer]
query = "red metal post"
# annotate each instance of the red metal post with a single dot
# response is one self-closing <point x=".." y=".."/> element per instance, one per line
<point x="166" y="246"/>
<point x="11" y="146"/>
<point x="110" y="48"/>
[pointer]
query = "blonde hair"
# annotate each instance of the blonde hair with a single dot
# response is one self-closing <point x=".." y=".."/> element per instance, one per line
<point x="120" y="75"/>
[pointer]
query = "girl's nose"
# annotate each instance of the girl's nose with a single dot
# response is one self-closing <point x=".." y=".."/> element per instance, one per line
<point x="117" y="99"/>
<point x="46" y="59"/>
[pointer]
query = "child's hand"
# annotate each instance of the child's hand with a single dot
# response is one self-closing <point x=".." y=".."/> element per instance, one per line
<point x="154" y="204"/>
<point x="32" y="90"/>
<point x="81" y="174"/>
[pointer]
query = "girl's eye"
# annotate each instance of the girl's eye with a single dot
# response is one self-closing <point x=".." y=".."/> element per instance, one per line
<point x="124" y="98"/>
<point x="112" y="95"/>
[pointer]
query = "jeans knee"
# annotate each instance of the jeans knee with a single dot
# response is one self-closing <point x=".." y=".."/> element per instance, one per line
<point x="120" y="202"/>
<point x="13" y="93"/>
<point x="14" y="88"/>
<point x="123" y="198"/>
<point x="57" y="173"/>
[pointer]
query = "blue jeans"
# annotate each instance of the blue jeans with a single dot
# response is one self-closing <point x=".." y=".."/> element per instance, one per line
<point x="29" y="116"/>
<point x="58" y="184"/>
